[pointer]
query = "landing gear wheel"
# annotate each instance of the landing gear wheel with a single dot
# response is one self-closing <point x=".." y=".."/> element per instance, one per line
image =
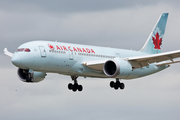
<point x="74" y="87"/>
<point x="117" y="84"/>
<point x="122" y="86"/>
<point x="112" y="84"/>
<point x="116" y="87"/>
<point x="80" y="88"/>
<point x="70" y="86"/>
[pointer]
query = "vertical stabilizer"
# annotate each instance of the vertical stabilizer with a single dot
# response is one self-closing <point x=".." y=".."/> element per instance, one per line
<point x="153" y="44"/>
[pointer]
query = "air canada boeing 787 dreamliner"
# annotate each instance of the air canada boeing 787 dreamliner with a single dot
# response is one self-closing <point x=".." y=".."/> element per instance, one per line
<point x="36" y="58"/>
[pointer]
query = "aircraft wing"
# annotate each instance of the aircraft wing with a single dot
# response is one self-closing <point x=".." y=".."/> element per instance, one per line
<point x="7" y="52"/>
<point x="141" y="61"/>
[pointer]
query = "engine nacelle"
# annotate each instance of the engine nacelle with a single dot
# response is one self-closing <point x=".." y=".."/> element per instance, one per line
<point x="117" y="68"/>
<point x="30" y="75"/>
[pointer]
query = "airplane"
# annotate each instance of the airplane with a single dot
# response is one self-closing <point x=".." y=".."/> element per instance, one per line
<point x="36" y="58"/>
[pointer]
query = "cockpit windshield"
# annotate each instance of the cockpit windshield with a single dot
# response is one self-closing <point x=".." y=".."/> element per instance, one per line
<point x="20" y="50"/>
<point x="27" y="50"/>
<point x="23" y="49"/>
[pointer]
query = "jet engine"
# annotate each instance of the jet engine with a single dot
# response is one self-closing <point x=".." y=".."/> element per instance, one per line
<point x="30" y="75"/>
<point x="117" y="68"/>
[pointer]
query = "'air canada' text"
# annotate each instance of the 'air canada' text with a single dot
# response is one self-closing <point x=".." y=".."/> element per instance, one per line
<point x="69" y="48"/>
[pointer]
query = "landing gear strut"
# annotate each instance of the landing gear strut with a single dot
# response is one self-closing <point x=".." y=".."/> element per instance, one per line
<point x="74" y="87"/>
<point x="29" y="77"/>
<point x="117" y="84"/>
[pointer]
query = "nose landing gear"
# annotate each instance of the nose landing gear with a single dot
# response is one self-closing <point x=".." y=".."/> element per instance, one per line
<point x="29" y="76"/>
<point x="74" y="87"/>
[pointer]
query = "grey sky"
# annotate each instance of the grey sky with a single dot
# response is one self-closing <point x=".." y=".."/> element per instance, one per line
<point x="115" y="23"/>
<point x="74" y="6"/>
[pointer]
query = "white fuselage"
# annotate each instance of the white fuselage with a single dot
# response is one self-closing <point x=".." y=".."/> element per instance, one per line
<point x="68" y="59"/>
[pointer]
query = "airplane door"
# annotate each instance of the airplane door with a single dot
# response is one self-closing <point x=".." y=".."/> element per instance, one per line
<point x="42" y="51"/>
<point x="71" y="55"/>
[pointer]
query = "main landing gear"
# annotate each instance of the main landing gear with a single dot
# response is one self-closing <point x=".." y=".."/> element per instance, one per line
<point x="74" y="87"/>
<point x="117" y="84"/>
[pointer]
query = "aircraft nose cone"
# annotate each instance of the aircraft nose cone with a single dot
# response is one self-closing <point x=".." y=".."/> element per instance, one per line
<point x="16" y="60"/>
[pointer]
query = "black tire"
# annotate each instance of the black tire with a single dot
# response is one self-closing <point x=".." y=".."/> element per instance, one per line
<point x="70" y="86"/>
<point x="122" y="86"/>
<point x="80" y="88"/>
<point x="116" y="87"/>
<point x="112" y="84"/>
<point x="75" y="85"/>
<point x="74" y="89"/>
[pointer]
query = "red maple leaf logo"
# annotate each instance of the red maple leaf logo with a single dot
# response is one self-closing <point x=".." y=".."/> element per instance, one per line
<point x="51" y="46"/>
<point x="157" y="41"/>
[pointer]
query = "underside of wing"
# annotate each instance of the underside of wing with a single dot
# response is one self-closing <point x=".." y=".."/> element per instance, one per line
<point x="141" y="61"/>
